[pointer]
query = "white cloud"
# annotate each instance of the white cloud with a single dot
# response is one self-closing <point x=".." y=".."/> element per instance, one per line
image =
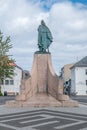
<point x="67" y="22"/>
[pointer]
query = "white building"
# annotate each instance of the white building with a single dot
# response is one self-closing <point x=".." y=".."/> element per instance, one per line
<point x="79" y="77"/>
<point x="12" y="85"/>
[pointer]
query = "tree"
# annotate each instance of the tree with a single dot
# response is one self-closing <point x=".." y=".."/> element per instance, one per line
<point x="6" y="68"/>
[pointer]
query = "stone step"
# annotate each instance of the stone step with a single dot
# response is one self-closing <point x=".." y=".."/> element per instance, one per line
<point x="42" y="100"/>
<point x="38" y="100"/>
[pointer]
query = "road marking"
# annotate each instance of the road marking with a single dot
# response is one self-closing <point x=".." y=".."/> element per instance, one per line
<point x="71" y="124"/>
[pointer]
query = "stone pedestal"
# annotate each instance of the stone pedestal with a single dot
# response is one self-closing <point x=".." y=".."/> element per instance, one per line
<point x="43" y="87"/>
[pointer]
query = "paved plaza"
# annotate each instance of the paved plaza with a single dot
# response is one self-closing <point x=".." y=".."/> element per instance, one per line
<point x="56" y="118"/>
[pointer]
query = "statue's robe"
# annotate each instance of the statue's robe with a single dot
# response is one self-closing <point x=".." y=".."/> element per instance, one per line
<point x="44" y="37"/>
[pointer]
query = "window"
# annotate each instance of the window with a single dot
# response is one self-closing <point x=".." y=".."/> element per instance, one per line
<point x="86" y="71"/>
<point x="12" y="71"/>
<point x="11" y="82"/>
<point x="6" y="82"/>
<point x="66" y="82"/>
<point x="86" y="82"/>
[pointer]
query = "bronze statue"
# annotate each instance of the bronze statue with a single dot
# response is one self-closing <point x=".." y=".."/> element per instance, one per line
<point x="44" y="37"/>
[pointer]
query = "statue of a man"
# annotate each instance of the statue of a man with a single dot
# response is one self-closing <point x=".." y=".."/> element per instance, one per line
<point x="44" y="37"/>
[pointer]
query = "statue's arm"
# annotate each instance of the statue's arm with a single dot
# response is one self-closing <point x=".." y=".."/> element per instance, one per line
<point x="49" y="36"/>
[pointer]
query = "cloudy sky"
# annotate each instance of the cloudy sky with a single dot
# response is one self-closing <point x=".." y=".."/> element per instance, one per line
<point x="67" y="20"/>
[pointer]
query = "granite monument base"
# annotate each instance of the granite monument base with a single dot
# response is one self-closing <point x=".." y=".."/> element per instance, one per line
<point x="43" y="88"/>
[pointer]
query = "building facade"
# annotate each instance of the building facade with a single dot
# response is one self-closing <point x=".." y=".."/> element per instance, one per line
<point x="11" y="86"/>
<point x="79" y="77"/>
<point x="66" y="72"/>
<point x="66" y="77"/>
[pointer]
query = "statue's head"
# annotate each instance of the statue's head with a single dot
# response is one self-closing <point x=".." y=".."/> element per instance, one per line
<point x="42" y="22"/>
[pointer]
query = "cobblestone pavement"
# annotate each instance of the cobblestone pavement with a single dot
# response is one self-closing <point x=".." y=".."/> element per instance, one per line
<point x="44" y="119"/>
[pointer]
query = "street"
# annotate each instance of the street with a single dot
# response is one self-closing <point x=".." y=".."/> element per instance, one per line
<point x="80" y="99"/>
<point x="3" y="99"/>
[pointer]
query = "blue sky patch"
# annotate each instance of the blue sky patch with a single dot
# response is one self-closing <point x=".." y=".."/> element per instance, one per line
<point x="47" y="4"/>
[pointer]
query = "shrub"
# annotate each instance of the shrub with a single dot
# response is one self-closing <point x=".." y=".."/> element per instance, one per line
<point x="1" y="94"/>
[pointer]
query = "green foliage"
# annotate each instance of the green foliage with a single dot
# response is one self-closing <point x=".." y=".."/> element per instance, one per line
<point x="5" y="60"/>
<point x="1" y="94"/>
<point x="5" y="67"/>
<point x="4" y="44"/>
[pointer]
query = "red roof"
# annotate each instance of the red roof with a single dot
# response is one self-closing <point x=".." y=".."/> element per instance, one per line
<point x="12" y="64"/>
